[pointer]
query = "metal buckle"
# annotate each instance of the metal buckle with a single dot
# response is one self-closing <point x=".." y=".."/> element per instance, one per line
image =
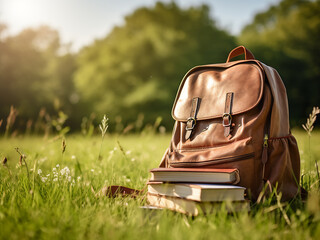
<point x="229" y="119"/>
<point x="194" y="121"/>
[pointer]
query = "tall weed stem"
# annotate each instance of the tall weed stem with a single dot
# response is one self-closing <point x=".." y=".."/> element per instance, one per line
<point x="103" y="128"/>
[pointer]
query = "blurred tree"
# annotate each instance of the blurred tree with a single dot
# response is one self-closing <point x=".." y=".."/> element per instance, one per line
<point x="137" y="68"/>
<point x="34" y="72"/>
<point x="287" y="37"/>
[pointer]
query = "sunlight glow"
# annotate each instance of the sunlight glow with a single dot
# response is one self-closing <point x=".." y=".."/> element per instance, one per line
<point x="24" y="12"/>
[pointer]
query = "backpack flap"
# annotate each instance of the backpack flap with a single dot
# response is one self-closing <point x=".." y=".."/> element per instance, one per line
<point x="235" y="88"/>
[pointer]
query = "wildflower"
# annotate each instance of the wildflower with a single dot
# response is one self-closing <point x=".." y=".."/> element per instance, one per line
<point x="55" y="180"/>
<point x="39" y="171"/>
<point x="44" y="179"/>
<point x="78" y="178"/>
<point x="48" y="175"/>
<point x="69" y="178"/>
<point x="54" y="169"/>
<point x="57" y="166"/>
<point x="73" y="157"/>
<point x="128" y="180"/>
<point x="133" y="159"/>
<point x="65" y="171"/>
<point x="92" y="170"/>
<point x="128" y="152"/>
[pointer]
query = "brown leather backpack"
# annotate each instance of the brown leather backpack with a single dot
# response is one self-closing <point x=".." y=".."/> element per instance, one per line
<point x="235" y="115"/>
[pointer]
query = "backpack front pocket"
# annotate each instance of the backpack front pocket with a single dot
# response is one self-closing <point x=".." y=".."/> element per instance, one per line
<point x="215" y="155"/>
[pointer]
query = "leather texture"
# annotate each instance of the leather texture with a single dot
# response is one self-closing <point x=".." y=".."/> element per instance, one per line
<point x="258" y="141"/>
<point x="238" y="51"/>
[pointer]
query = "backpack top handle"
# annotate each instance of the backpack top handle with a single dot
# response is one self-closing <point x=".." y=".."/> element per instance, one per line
<point x="238" y="51"/>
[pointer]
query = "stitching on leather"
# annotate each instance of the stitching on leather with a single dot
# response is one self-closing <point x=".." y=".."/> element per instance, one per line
<point x="215" y="146"/>
<point x="208" y="67"/>
<point x="220" y="160"/>
<point x="279" y="138"/>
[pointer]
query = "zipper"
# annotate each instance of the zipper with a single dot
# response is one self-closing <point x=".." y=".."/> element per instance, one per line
<point x="264" y="157"/>
<point x="215" y="161"/>
<point x="265" y="140"/>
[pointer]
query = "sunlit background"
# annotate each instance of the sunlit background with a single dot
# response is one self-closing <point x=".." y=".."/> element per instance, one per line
<point x="82" y="21"/>
<point x="70" y="62"/>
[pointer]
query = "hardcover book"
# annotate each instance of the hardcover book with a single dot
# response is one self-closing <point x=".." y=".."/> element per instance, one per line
<point x="195" y="175"/>
<point x="198" y="192"/>
<point x="194" y="208"/>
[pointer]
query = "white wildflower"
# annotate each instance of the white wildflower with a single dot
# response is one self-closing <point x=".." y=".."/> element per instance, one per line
<point x="57" y="166"/>
<point x="65" y="171"/>
<point x="39" y="171"/>
<point x="69" y="178"/>
<point x="44" y="179"/>
<point x="128" y="152"/>
<point x="92" y="170"/>
<point x="55" y="179"/>
<point x="48" y="175"/>
<point x="73" y="157"/>
<point x="128" y="180"/>
<point x="133" y="159"/>
<point x="78" y="178"/>
<point x="54" y="169"/>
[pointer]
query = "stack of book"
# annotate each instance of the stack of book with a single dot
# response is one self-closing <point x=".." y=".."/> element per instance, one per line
<point x="193" y="191"/>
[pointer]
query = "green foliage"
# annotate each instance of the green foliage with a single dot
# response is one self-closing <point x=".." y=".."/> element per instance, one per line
<point x="137" y="68"/>
<point x="286" y="37"/>
<point x="133" y="73"/>
<point x="35" y="71"/>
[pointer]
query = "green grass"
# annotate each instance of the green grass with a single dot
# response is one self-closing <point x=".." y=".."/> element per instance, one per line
<point x="61" y="209"/>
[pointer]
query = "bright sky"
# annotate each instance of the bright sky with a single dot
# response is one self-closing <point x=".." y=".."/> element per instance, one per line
<point x="82" y="21"/>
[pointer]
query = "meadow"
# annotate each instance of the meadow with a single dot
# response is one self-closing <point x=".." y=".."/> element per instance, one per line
<point x="53" y="189"/>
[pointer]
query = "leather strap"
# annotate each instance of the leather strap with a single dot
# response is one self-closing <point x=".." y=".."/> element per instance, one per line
<point x="227" y="117"/>
<point x="191" y="122"/>
<point x="121" y="191"/>
<point x="238" y="51"/>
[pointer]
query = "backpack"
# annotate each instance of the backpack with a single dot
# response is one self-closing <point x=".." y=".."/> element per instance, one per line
<point x="235" y="115"/>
